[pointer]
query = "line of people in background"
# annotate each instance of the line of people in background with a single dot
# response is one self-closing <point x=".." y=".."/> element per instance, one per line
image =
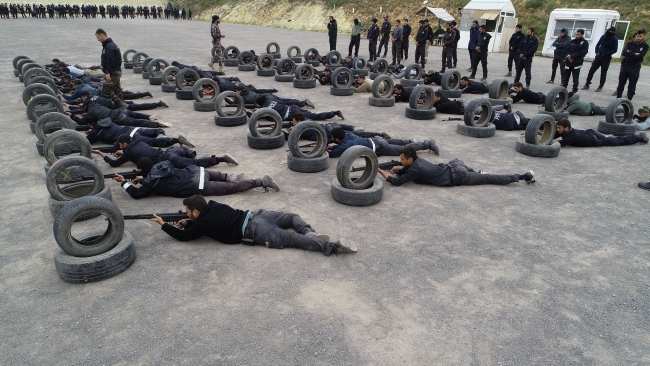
<point x="64" y="11"/>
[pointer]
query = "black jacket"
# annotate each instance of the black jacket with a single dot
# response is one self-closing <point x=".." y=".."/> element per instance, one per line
<point x="385" y="29"/>
<point x="505" y="121"/>
<point x="529" y="96"/>
<point x="406" y="33"/>
<point x="165" y="180"/>
<point x="578" y="138"/>
<point x="373" y="32"/>
<point x="107" y="132"/>
<point x="630" y="51"/>
<point x="249" y="96"/>
<point x="332" y="28"/>
<point x="406" y="94"/>
<point x="281" y="108"/>
<point x="457" y="38"/>
<point x="561" y="46"/>
<point x="111" y="57"/>
<point x="422" y="35"/>
<point x="475" y="87"/>
<point x="483" y="41"/>
<point x="97" y="112"/>
<point x="528" y="47"/>
<point x="445" y="105"/>
<point x="423" y="172"/>
<point x="136" y="150"/>
<point x="578" y="49"/>
<point x="515" y="41"/>
<point x="218" y="221"/>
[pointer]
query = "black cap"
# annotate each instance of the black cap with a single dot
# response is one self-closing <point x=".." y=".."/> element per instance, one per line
<point x="612" y="29"/>
<point x="124" y="138"/>
<point x="145" y="165"/>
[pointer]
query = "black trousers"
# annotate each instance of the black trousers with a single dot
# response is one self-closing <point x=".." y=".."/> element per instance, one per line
<point x="383" y="42"/>
<point x="405" y="49"/>
<point x="269" y="228"/>
<point x="309" y="115"/>
<point x="216" y="185"/>
<point x="603" y="63"/>
<point x="464" y="176"/>
<point x="354" y="42"/>
<point x="419" y="54"/>
<point x="454" y="51"/>
<point x="558" y="61"/>
<point x="332" y="43"/>
<point x="372" y="47"/>
<point x="512" y="57"/>
<point x="391" y="147"/>
<point x="396" y="51"/>
<point x="615" y="141"/>
<point x="631" y="73"/>
<point x="141" y="106"/>
<point x="572" y="71"/>
<point x="524" y="65"/>
<point x="482" y="57"/>
<point x="471" y="56"/>
<point x="447" y="56"/>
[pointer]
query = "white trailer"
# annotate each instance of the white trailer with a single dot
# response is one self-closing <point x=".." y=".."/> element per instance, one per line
<point x="595" y="22"/>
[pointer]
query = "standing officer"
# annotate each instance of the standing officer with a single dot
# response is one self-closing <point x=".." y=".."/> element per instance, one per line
<point x="456" y="39"/>
<point x="385" y="36"/>
<point x="421" y="43"/>
<point x="473" y="38"/>
<point x="355" y="38"/>
<point x="112" y="68"/>
<point x="373" y="36"/>
<point x="481" y="53"/>
<point x="332" y="32"/>
<point x="406" y="33"/>
<point x="561" y="45"/>
<point x="527" y="49"/>
<point x="447" y="47"/>
<point x="634" y="53"/>
<point x="578" y="49"/>
<point x="215" y="31"/>
<point x="513" y="48"/>
<point x="396" y="38"/>
<point x="607" y="46"/>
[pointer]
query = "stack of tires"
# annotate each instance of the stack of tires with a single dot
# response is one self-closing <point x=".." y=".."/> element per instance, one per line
<point x="32" y="73"/>
<point x="333" y="59"/>
<point x="273" y="49"/>
<point x="145" y="67"/>
<point x="246" y="61"/>
<point x="42" y="104"/>
<point x="136" y="61"/>
<point x="185" y="80"/>
<point x="382" y="92"/>
<point x="126" y="56"/>
<point x="380" y="67"/>
<point x="342" y="89"/>
<point x="168" y="79"/>
<point x="50" y="123"/>
<point x="498" y="92"/>
<point x="155" y="69"/>
<point x="26" y="65"/>
<point x="296" y="58"/>
<point x="265" y="65"/>
<point x="231" y="56"/>
<point x="225" y="118"/>
<point x="477" y="127"/>
<point x="412" y="80"/>
<point x="304" y="77"/>
<point x="265" y="130"/>
<point x="618" y="118"/>
<point x="15" y="64"/>
<point x="364" y="190"/>
<point x="285" y="70"/>
<point x="205" y="102"/>
<point x="538" y="140"/>
<point x="359" y="66"/>
<point x="93" y="255"/>
<point x="555" y="103"/>
<point x="312" y="60"/>
<point x="450" y="83"/>
<point x="314" y="160"/>
<point x="39" y="85"/>
<point x="422" y="111"/>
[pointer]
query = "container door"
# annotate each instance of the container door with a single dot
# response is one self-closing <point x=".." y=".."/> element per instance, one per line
<point x="622" y="26"/>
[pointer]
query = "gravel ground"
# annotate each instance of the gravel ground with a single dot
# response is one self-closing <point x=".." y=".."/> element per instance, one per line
<point x="550" y="273"/>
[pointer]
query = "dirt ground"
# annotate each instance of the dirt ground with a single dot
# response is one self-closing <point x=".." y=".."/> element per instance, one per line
<point x="555" y="272"/>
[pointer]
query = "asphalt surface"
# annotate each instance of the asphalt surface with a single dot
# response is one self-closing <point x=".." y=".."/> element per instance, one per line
<point x="554" y="272"/>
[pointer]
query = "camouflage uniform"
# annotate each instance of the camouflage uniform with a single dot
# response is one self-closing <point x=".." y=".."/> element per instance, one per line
<point x="113" y="89"/>
<point x="216" y="44"/>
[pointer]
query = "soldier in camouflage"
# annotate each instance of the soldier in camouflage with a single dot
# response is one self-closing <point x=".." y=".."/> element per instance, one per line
<point x="216" y="44"/>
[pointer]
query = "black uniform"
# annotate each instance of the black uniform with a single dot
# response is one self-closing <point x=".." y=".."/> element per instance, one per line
<point x="108" y="132"/>
<point x="332" y="32"/>
<point x="607" y="46"/>
<point x="112" y="65"/>
<point x="421" y="43"/>
<point x="454" y="173"/>
<point x="373" y="36"/>
<point x="475" y="87"/>
<point x="631" y="67"/>
<point x="529" y="96"/>
<point x="406" y="33"/>
<point x="482" y="44"/>
<point x="527" y="47"/>
<point x="405" y="95"/>
<point x="593" y="138"/>
<point x="445" y="105"/>
<point x="561" y="45"/>
<point x="385" y="37"/>
<point x="513" y="50"/>
<point x="578" y="49"/>
<point x="181" y="157"/>
<point x="455" y="49"/>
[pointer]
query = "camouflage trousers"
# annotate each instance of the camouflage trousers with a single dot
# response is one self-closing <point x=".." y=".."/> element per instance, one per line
<point x="218" y="53"/>
<point x="113" y="89"/>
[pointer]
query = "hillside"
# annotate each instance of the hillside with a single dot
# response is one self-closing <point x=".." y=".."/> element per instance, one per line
<point x="312" y="15"/>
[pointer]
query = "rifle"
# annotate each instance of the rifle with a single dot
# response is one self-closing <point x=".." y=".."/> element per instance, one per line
<point x="284" y="125"/>
<point x="306" y="145"/>
<point x="127" y="175"/>
<point x="383" y="166"/>
<point x="167" y="217"/>
<point x="104" y="149"/>
<point x="79" y="128"/>
<point x="454" y="119"/>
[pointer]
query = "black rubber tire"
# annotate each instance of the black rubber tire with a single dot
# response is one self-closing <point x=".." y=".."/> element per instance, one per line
<point x="335" y="74"/>
<point x="125" y="55"/>
<point x="96" y="268"/>
<point x="63" y="148"/>
<point x="64" y="165"/>
<point x="557" y="115"/>
<point x="484" y="117"/>
<point x="261" y="143"/>
<point x="184" y="94"/>
<point x="14" y="62"/>
<point x="345" y="165"/>
<point x="280" y="69"/>
<point x="34" y="109"/>
<point x="333" y="56"/>
<point x="167" y="77"/>
<point x="310" y="72"/>
<point x="294" y="140"/>
<point x="538" y="151"/>
<point x="388" y="90"/>
<point x="137" y="69"/>
<point x="203" y="106"/>
<point x="168" y="88"/>
<point x="70" y="136"/>
<point x="251" y="60"/>
<point x="246" y="67"/>
<point x="304" y="84"/>
<point x="312" y="165"/>
<point x="47" y="80"/>
<point x="32" y="126"/>
<point x="128" y="65"/>
<point x="409" y="68"/>
<point x="227" y="54"/>
<point x="137" y="59"/>
<point x="52" y="119"/>
<point x="34" y="73"/>
<point x="415" y="97"/>
<point x="616" y="129"/>
<point x="35" y="89"/>
<point x="20" y="63"/>
<point x="261" y="66"/>
<point x="260" y="116"/>
<point x="451" y="93"/>
<point x="266" y="73"/>
<point x="57" y="206"/>
<point x="231" y="62"/>
<point x="355" y="64"/>
<point x="411" y="82"/>
<point x="272" y="44"/>
<point x="472" y="131"/>
<point x="297" y="54"/>
<point x="104" y="242"/>
<point x="356" y="72"/>
<point x="499" y="101"/>
<point x="420" y="114"/>
<point x="380" y="66"/>
<point x="314" y="59"/>
<point x="230" y="121"/>
<point x="381" y="102"/>
<point x="155" y="66"/>
<point x="628" y="111"/>
<point x="155" y="80"/>
<point x="198" y="85"/>
<point x="180" y="79"/>
<point x="145" y="75"/>
<point x="444" y="83"/>
<point x="229" y="94"/>
<point x="556" y="92"/>
<point x="341" y="92"/>
<point x="145" y="67"/>
<point x="540" y="121"/>
<point x="16" y="73"/>
<point x="498" y="89"/>
<point x="72" y="174"/>
<point x="284" y="78"/>
<point x="28" y="66"/>
<point x="358" y="198"/>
